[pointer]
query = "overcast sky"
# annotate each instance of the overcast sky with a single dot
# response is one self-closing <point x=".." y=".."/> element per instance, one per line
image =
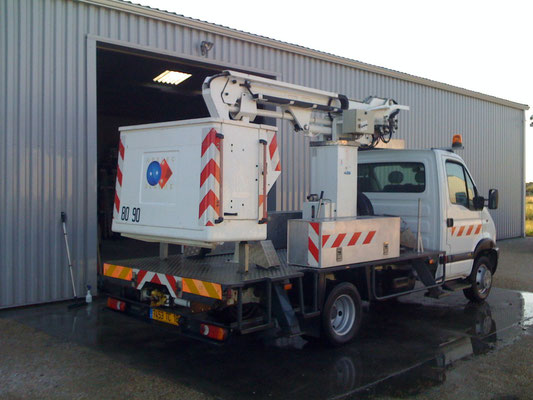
<point x="479" y="45"/>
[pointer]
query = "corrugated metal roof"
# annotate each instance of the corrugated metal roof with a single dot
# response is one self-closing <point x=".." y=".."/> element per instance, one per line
<point x="266" y="41"/>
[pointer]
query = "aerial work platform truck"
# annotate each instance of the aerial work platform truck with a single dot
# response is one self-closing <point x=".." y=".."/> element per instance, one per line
<point x="377" y="224"/>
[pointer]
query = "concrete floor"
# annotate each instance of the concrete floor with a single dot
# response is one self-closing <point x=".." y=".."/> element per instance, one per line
<point x="420" y="347"/>
<point x="516" y="264"/>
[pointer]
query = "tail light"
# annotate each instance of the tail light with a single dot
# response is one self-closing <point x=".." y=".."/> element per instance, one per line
<point x="213" y="332"/>
<point x="115" y="304"/>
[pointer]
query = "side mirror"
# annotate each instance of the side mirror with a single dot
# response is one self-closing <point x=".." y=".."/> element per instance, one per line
<point x="493" y="199"/>
<point x="479" y="202"/>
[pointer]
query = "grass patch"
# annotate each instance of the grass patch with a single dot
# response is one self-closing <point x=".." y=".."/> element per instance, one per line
<point x="529" y="215"/>
<point x="529" y="227"/>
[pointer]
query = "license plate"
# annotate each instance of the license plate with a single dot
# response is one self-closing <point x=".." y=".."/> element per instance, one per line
<point x="163" y="316"/>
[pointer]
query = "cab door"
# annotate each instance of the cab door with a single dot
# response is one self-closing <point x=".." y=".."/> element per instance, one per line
<point x="463" y="220"/>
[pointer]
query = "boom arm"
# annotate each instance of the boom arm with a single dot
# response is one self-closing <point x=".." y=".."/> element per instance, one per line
<point x="235" y="95"/>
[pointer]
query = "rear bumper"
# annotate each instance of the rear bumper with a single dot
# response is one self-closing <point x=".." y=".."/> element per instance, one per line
<point x="125" y="298"/>
<point x="189" y="325"/>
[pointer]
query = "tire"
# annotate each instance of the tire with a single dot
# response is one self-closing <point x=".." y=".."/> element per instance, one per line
<point x="342" y="314"/>
<point x="481" y="279"/>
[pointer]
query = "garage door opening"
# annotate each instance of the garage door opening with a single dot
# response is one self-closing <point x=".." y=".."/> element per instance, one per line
<point x="128" y="95"/>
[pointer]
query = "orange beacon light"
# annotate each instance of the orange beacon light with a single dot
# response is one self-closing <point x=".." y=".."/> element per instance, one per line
<point x="457" y="141"/>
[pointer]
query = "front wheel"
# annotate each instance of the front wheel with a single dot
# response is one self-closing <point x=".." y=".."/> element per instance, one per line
<point x="342" y="314"/>
<point x="481" y="279"/>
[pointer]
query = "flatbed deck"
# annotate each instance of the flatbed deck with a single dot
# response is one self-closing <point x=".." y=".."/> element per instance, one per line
<point x="222" y="270"/>
<point x="216" y="269"/>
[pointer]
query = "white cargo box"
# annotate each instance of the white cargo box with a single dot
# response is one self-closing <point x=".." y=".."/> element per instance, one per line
<point x="195" y="181"/>
<point x="328" y="243"/>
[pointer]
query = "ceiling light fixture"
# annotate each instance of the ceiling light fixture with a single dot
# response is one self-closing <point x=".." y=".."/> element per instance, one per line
<point x="172" y="77"/>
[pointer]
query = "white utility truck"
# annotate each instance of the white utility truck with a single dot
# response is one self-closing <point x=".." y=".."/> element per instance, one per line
<point x="377" y="224"/>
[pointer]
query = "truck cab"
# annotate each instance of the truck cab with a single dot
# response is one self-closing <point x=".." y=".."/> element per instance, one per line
<point x="453" y="216"/>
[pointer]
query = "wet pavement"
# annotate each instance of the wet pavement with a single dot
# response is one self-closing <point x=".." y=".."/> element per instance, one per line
<point x="403" y="349"/>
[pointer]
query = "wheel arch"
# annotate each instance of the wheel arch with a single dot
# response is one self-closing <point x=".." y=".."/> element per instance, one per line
<point x="359" y="277"/>
<point x="487" y="247"/>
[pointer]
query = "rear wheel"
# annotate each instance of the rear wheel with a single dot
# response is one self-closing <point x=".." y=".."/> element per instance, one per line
<point x="481" y="279"/>
<point x="341" y="316"/>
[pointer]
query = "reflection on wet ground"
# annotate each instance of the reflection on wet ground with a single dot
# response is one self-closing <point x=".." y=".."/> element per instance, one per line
<point x="403" y="348"/>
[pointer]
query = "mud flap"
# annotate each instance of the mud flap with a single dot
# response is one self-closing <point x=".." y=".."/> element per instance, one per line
<point x="427" y="278"/>
<point x="283" y="311"/>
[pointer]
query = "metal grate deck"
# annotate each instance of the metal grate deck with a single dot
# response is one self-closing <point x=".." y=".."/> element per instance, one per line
<point x="217" y="269"/>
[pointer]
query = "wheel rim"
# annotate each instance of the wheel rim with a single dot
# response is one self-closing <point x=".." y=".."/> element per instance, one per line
<point x="483" y="279"/>
<point x="343" y="315"/>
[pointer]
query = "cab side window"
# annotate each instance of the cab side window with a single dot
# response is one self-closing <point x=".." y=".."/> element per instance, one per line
<point x="460" y="186"/>
<point x="392" y="177"/>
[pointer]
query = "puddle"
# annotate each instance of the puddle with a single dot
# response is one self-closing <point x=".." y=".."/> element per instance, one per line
<point x="403" y="348"/>
<point x="527" y="319"/>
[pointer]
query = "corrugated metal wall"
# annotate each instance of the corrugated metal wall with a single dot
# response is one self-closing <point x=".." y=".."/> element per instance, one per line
<point x="48" y="152"/>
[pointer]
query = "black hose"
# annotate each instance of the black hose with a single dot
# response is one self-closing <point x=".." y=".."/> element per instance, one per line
<point x="224" y="73"/>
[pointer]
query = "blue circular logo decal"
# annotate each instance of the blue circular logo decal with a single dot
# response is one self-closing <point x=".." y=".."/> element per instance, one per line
<point x="153" y="173"/>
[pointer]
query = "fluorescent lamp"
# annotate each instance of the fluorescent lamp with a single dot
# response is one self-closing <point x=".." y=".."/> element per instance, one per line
<point x="172" y="77"/>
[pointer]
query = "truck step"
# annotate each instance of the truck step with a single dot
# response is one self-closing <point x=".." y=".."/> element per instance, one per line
<point x="455" y="286"/>
<point x="436" y="293"/>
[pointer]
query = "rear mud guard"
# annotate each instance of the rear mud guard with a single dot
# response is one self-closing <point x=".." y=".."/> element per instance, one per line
<point x="283" y="311"/>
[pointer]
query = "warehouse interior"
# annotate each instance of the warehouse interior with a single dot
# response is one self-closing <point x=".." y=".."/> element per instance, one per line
<point x="128" y="95"/>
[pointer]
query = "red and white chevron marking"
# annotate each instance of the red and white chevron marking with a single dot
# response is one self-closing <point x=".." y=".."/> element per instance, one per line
<point x="161" y="279"/>
<point x="273" y="151"/>
<point x="118" y="184"/>
<point x="209" y="208"/>
<point x="347" y="239"/>
<point x="466" y="230"/>
<point x="273" y="166"/>
<point x="313" y="244"/>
